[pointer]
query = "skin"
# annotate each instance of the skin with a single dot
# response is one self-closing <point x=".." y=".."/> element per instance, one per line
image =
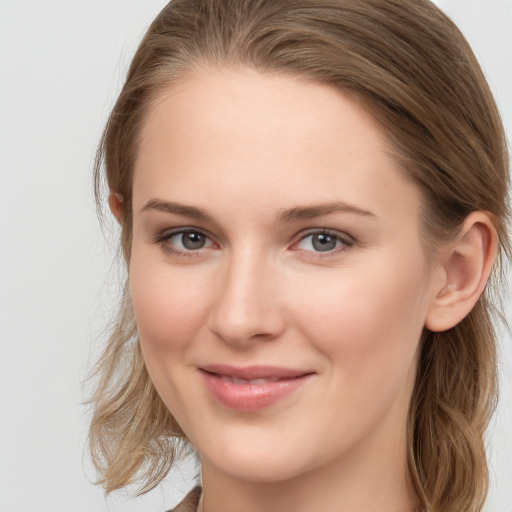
<point x="244" y="147"/>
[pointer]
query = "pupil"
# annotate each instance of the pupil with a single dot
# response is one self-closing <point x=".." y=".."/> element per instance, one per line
<point x="323" y="242"/>
<point x="193" y="240"/>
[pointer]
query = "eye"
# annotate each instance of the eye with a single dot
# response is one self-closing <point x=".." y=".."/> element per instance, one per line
<point x="189" y="240"/>
<point x="324" y="242"/>
<point x="184" y="241"/>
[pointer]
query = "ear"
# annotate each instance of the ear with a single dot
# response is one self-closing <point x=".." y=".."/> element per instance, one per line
<point x="115" y="202"/>
<point x="466" y="263"/>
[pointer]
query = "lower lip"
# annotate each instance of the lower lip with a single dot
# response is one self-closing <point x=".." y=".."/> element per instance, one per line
<point x="251" y="397"/>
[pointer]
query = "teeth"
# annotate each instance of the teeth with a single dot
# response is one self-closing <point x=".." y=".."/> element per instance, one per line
<point x="235" y="380"/>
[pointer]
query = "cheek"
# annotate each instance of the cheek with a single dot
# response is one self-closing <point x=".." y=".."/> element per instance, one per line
<point x="169" y="313"/>
<point x="168" y="306"/>
<point x="368" y="322"/>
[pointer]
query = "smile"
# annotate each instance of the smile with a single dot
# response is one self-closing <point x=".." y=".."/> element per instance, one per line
<point x="234" y="380"/>
<point x="251" y="388"/>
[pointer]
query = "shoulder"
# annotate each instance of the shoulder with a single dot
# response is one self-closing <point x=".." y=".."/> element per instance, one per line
<point x="190" y="502"/>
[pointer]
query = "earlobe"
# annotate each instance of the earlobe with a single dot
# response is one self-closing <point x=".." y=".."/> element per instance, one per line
<point x="115" y="202"/>
<point x="467" y="263"/>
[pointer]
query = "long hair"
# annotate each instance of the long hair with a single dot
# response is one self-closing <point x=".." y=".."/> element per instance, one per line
<point x="413" y="71"/>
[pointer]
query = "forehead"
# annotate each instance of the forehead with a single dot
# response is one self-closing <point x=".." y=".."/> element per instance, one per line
<point x="265" y="139"/>
<point x="234" y="103"/>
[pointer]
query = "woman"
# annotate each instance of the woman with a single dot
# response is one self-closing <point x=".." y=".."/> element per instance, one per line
<point x="313" y="198"/>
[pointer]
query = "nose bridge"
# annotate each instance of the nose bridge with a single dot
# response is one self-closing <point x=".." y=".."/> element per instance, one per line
<point x="247" y="304"/>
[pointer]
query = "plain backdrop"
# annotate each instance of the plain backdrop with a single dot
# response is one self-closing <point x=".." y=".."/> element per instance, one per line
<point x="61" y="65"/>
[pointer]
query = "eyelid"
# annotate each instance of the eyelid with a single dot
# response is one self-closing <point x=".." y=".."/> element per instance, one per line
<point x="346" y="240"/>
<point x="164" y="236"/>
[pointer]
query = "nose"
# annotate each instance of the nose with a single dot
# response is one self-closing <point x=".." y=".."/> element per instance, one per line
<point x="247" y="306"/>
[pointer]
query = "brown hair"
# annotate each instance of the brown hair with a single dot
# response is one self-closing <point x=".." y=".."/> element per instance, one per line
<point x="412" y="69"/>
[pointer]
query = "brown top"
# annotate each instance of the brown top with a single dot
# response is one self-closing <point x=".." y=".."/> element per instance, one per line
<point x="190" y="502"/>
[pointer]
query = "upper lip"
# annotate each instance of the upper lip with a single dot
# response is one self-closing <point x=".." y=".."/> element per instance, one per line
<point x="254" y="372"/>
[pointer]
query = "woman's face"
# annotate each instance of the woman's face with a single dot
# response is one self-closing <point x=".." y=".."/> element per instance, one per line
<point x="278" y="276"/>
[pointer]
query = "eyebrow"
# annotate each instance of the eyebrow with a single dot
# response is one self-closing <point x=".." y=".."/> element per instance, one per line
<point x="319" y="210"/>
<point x="176" y="208"/>
<point x="284" y="216"/>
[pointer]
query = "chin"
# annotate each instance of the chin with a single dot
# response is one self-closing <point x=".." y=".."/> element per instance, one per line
<point x="259" y="468"/>
<point x="254" y="456"/>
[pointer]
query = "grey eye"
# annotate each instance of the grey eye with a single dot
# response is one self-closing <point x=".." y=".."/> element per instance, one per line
<point x="192" y="240"/>
<point x="324" y="242"/>
<point x="185" y="242"/>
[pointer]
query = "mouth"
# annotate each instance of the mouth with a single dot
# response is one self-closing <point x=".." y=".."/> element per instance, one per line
<point x="252" y="388"/>
<point x="235" y="380"/>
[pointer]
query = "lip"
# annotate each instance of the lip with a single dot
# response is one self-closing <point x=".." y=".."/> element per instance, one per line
<point x="252" y="388"/>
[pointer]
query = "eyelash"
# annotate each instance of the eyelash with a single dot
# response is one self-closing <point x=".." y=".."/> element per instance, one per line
<point x="164" y="241"/>
<point x="343" y="242"/>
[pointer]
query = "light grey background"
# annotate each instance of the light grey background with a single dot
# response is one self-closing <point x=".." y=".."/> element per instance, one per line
<point x="61" y="65"/>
